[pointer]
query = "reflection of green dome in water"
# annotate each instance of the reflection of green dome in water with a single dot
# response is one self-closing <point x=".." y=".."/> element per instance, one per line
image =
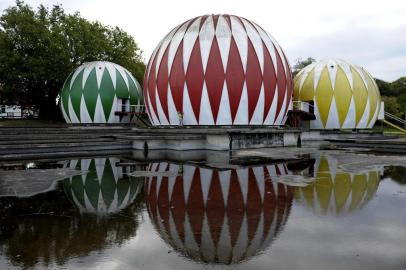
<point x="103" y="189"/>
<point x="96" y="90"/>
<point x="335" y="191"/>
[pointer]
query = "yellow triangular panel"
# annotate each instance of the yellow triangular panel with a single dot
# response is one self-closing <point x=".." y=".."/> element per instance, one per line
<point x="324" y="96"/>
<point x="296" y="85"/>
<point x="307" y="91"/>
<point x="373" y="96"/>
<point x="373" y="183"/>
<point x="342" y="94"/>
<point x="323" y="166"/>
<point x="360" y="94"/>
<point x="342" y="189"/>
<point x="324" y="187"/>
<point x="358" y="189"/>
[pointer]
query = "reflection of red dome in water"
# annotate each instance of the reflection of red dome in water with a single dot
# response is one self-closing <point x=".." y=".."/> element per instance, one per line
<point x="217" y="216"/>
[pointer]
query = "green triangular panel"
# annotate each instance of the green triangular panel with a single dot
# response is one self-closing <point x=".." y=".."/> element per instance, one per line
<point x="78" y="189"/>
<point x="67" y="188"/>
<point x="108" y="184"/>
<point x="134" y="91"/>
<point x="121" y="87"/>
<point x="76" y="93"/>
<point x="123" y="186"/>
<point x="90" y="93"/>
<point x="106" y="94"/>
<point x="92" y="186"/>
<point x="65" y="95"/>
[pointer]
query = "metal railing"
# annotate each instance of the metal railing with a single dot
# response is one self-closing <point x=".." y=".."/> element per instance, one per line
<point x="298" y="105"/>
<point x="137" y="108"/>
<point x="394" y="118"/>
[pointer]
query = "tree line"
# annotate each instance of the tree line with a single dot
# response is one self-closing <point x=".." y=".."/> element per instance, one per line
<point x="40" y="47"/>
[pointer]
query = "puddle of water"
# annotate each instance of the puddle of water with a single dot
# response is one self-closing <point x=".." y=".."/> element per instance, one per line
<point x="121" y="214"/>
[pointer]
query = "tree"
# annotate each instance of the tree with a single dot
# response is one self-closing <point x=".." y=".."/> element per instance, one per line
<point x="39" y="48"/>
<point x="391" y="105"/>
<point x="301" y="64"/>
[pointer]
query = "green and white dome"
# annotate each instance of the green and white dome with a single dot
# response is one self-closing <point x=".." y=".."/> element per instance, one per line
<point x="103" y="188"/>
<point x="95" y="91"/>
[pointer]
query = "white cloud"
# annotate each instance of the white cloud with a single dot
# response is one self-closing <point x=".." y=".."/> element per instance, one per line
<point x="354" y="30"/>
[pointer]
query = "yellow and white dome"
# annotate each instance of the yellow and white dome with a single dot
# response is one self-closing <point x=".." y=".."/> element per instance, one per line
<point x="345" y="96"/>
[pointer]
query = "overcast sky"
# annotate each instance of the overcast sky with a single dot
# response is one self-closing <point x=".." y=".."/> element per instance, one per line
<point x="369" y="33"/>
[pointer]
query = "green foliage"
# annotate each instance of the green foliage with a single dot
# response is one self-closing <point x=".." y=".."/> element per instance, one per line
<point x="391" y="105"/>
<point x="394" y="95"/>
<point x="301" y="64"/>
<point x="39" y="48"/>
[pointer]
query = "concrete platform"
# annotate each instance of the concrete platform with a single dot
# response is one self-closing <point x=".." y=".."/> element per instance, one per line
<point x="212" y="138"/>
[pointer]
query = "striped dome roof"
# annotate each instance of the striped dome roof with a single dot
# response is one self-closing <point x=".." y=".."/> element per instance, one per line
<point x="218" y="70"/>
<point x="345" y="96"/>
<point x="103" y="188"/>
<point x="336" y="191"/>
<point x="90" y="94"/>
<point x="217" y="216"/>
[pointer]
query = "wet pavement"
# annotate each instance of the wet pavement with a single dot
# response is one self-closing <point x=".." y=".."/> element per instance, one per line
<point x="259" y="209"/>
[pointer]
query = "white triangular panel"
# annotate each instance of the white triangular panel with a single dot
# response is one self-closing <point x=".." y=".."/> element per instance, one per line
<point x="174" y="45"/>
<point x="224" y="113"/>
<point x="189" y="42"/>
<point x="241" y="117"/>
<point x="223" y="35"/>
<point x="161" y="114"/>
<point x="113" y="75"/>
<point x="206" y="176"/>
<point x="258" y="115"/>
<point x="332" y="72"/>
<point x="206" y="36"/>
<point x="189" y="117"/>
<point x="349" y="121"/>
<point x="332" y="118"/>
<point x="99" y="112"/>
<point x="241" y="39"/>
<point x="74" y="119"/>
<point x="173" y="114"/>
<point x="363" y="122"/>
<point x="206" y="115"/>
<point x="84" y="114"/>
<point x="256" y="42"/>
<point x="270" y="118"/>
<point x="282" y="112"/>
<point x="75" y="74"/>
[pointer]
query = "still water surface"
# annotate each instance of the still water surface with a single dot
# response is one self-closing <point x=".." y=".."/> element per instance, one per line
<point x="172" y="215"/>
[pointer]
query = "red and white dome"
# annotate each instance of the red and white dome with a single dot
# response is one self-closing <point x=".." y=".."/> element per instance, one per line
<point x="218" y="70"/>
<point x="217" y="216"/>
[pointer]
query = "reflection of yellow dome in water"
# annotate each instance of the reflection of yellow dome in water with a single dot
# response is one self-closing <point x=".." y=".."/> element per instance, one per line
<point x="345" y="96"/>
<point x="336" y="191"/>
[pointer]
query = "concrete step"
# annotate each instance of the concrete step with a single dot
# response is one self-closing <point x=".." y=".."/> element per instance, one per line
<point x="47" y="140"/>
<point x="381" y="145"/>
<point x="64" y="154"/>
<point x="63" y="147"/>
